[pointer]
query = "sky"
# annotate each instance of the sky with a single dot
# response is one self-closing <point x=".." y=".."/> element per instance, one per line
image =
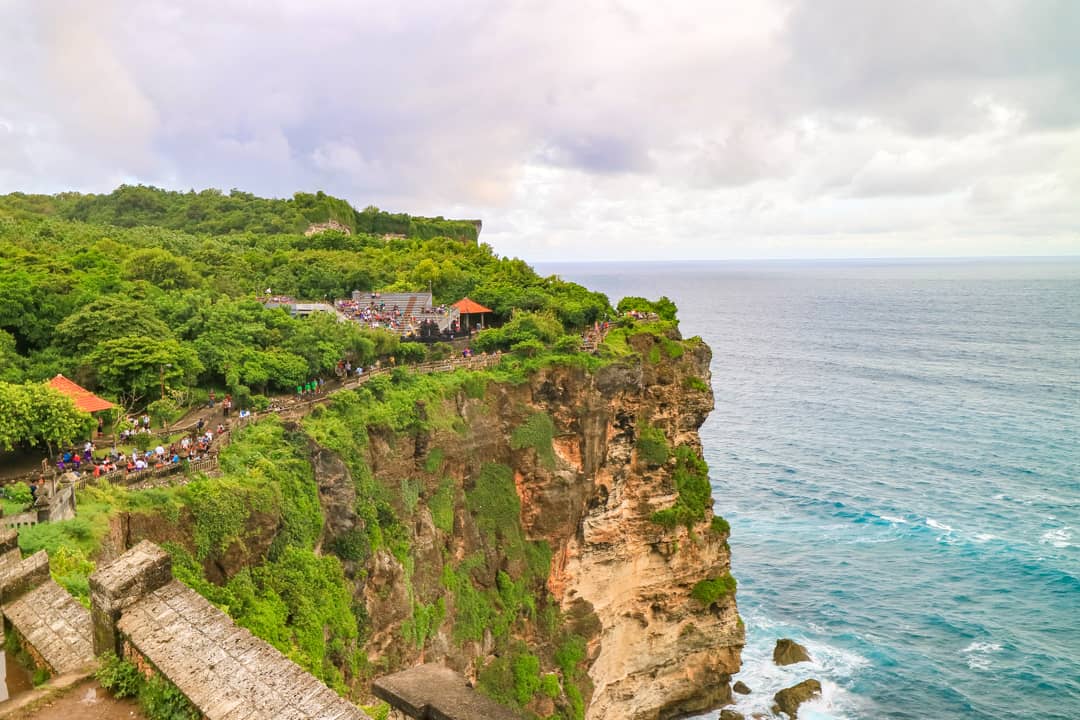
<point x="577" y="130"/>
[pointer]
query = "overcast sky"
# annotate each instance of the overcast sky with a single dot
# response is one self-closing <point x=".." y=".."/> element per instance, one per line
<point x="575" y="129"/>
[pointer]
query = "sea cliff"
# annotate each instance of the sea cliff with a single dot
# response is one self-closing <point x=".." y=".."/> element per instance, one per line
<point x="546" y="529"/>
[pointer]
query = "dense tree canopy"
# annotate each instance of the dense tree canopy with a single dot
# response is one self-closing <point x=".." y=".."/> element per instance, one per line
<point x="142" y="289"/>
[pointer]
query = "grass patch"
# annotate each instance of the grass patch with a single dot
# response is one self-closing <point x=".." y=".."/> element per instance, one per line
<point x="537" y="432"/>
<point x="434" y="461"/>
<point x="424" y="622"/>
<point x="441" y="505"/>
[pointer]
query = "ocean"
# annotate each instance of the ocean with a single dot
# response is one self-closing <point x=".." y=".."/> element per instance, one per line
<point x="896" y="445"/>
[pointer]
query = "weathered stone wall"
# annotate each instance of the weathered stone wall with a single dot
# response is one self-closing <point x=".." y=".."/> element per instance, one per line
<point x="140" y="612"/>
<point x="122" y="583"/>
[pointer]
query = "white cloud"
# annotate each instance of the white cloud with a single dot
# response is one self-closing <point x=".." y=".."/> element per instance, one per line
<point x="617" y="129"/>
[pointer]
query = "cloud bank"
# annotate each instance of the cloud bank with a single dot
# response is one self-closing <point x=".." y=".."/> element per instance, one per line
<point x="596" y="130"/>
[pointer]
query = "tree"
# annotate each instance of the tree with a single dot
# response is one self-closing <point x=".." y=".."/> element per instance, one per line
<point x="134" y="367"/>
<point x="33" y="413"/>
<point x="11" y="363"/>
<point x="160" y="268"/>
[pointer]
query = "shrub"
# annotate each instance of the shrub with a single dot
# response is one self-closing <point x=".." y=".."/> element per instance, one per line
<point x="693" y="382"/>
<point x="119" y="677"/>
<point x="692" y="483"/>
<point x="410" y="352"/>
<point x="71" y="568"/>
<point x="568" y="344"/>
<point x="352" y="545"/>
<point x="19" y="492"/>
<point x="652" y="445"/>
<point x="434" y="460"/>
<point x="711" y="590"/>
<point x="161" y="700"/>
<point x="441" y="505"/>
<point x="163" y="412"/>
<point x="664" y="307"/>
<point x="720" y="526"/>
<point x="528" y="348"/>
<point x="439" y="351"/>
<point x="526" y="670"/>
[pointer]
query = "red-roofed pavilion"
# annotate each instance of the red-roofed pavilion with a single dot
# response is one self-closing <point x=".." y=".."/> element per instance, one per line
<point x="468" y="308"/>
<point x="84" y="399"/>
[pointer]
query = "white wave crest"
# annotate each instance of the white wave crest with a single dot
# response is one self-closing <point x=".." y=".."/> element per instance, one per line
<point x="978" y="654"/>
<point x="931" y="522"/>
<point x="1059" y="538"/>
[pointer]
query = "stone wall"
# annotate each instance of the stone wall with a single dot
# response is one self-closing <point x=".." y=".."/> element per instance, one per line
<point x="139" y="611"/>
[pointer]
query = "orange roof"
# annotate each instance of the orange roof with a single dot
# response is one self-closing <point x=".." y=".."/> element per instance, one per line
<point x="84" y="399"/>
<point x="468" y="306"/>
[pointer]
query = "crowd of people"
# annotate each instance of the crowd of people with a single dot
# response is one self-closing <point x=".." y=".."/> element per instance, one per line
<point x="193" y="446"/>
<point x="373" y="314"/>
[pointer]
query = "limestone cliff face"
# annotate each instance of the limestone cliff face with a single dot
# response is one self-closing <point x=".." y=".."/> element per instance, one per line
<point x="623" y="580"/>
<point x="659" y="653"/>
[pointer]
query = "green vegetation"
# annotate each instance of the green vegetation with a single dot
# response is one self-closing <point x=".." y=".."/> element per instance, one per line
<point x="692" y="382"/>
<point x="141" y="289"/>
<point x="569" y="656"/>
<point x="424" y="622"/>
<point x="15" y="649"/>
<point x="158" y="698"/>
<point x="537" y="432"/>
<point x="151" y="298"/>
<point x="720" y="526"/>
<point x="513" y="678"/>
<point x="664" y="308"/>
<point x="655" y="338"/>
<point x="652" y="446"/>
<point x="378" y="711"/>
<point x="215" y="213"/>
<point x="34" y="413"/>
<point x="692" y="483"/>
<point x="442" y="506"/>
<point x="711" y="590"/>
<point x="494" y="502"/>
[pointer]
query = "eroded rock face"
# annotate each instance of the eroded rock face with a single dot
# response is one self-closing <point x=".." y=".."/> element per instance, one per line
<point x="789" y="652"/>
<point x="789" y="699"/>
<point x="659" y="653"/>
<point x="622" y="581"/>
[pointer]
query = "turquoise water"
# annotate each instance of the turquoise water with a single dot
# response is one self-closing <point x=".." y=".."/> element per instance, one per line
<point x="897" y="448"/>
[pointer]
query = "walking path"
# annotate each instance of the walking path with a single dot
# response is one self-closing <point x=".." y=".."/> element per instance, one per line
<point x="285" y="405"/>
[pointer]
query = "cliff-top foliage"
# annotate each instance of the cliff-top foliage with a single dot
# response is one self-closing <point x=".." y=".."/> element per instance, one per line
<point x="144" y="292"/>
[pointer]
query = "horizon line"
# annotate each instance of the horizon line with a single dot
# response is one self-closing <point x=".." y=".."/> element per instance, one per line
<point x="891" y="258"/>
